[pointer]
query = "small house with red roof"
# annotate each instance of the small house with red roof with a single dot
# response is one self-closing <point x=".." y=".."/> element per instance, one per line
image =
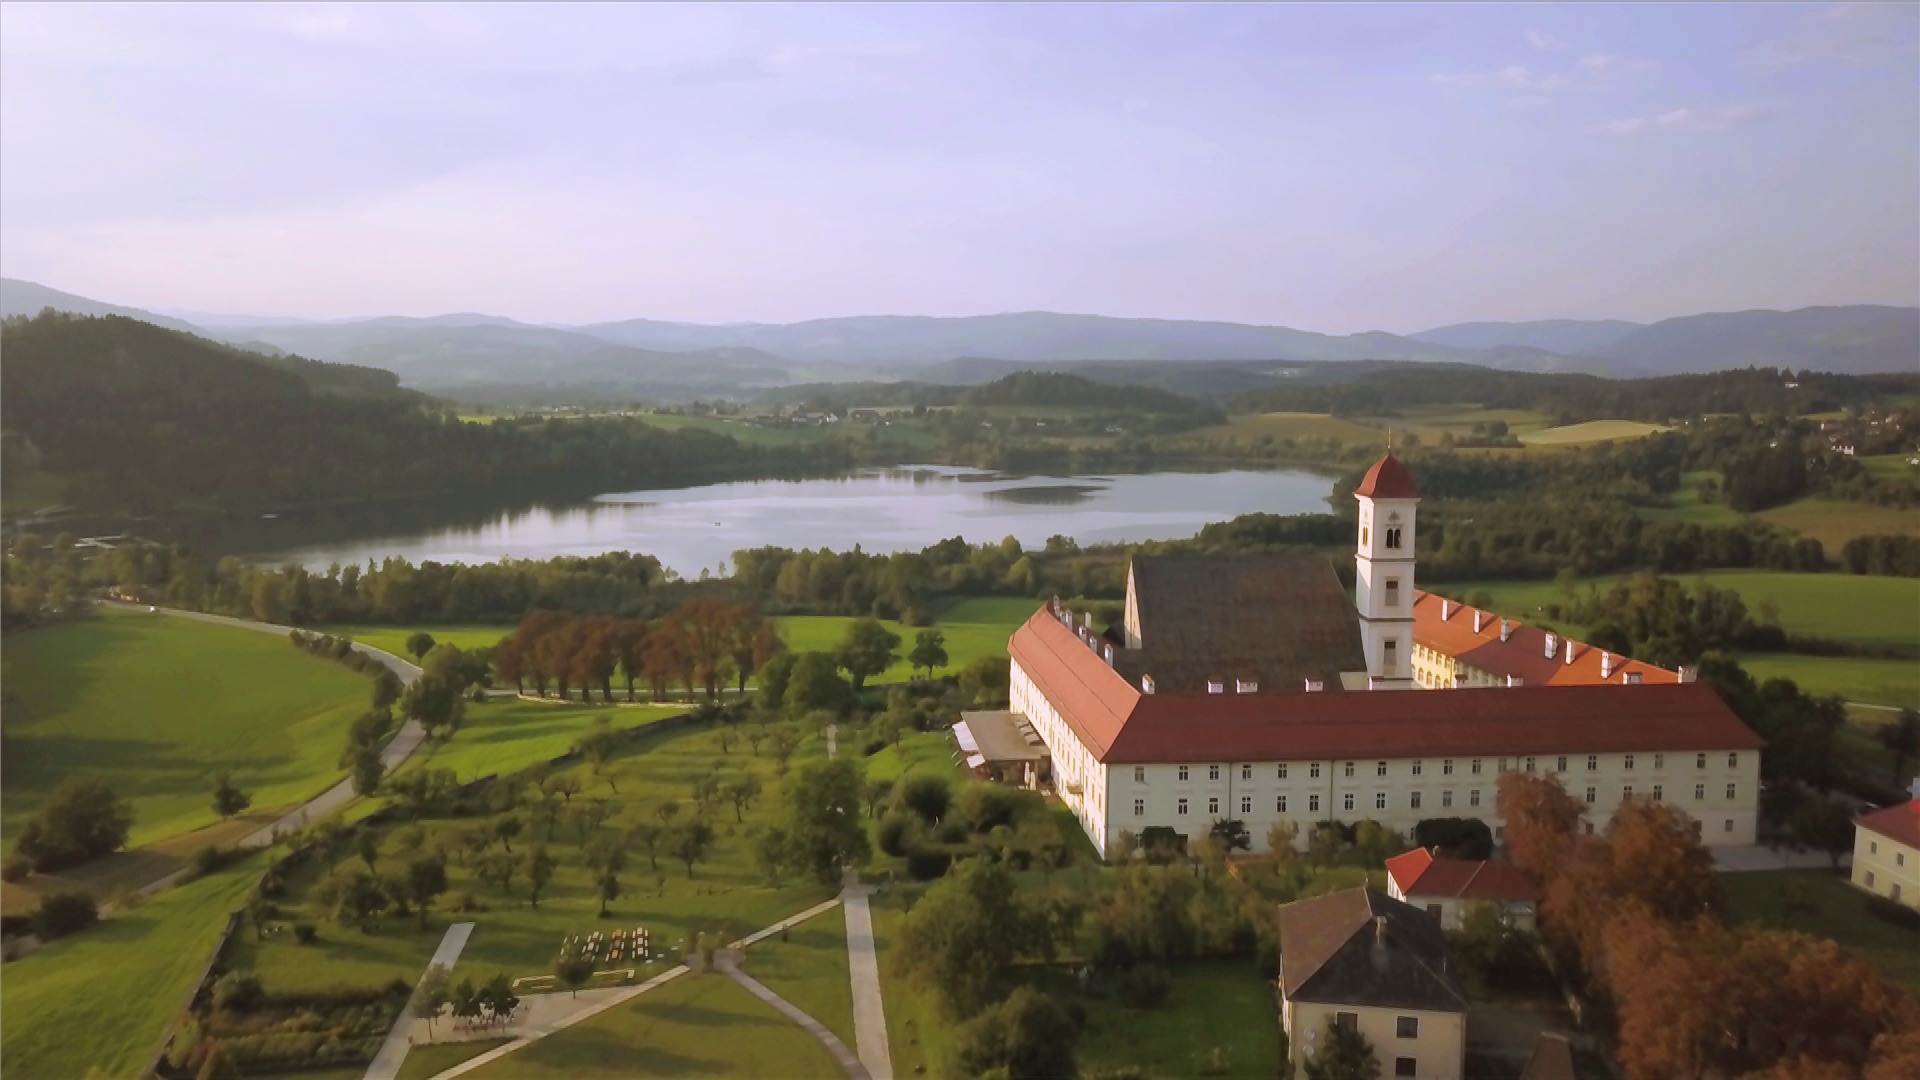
<point x="1448" y="889"/>
<point x="1886" y="851"/>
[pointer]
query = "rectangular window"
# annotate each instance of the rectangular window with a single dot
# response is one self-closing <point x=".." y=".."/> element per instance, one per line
<point x="1393" y="592"/>
<point x="1347" y="800"/>
<point x="1593" y="762"/>
<point x="1393" y="538"/>
<point x="1434" y="910"/>
<point x="1282" y="773"/>
<point x="1213" y="806"/>
<point x="1379" y="800"/>
<point x="1733" y="760"/>
<point x="1727" y="825"/>
<point x="1626" y="792"/>
<point x="1593" y="796"/>
<point x="1659" y="761"/>
<point x="1416" y="768"/>
<point x="1476" y="766"/>
<point x="1629" y="762"/>
<point x="1869" y="879"/>
<point x="1139" y="808"/>
<point x="1414" y="804"/>
<point x="1313" y="804"/>
<point x="1657" y="792"/>
<point x="1529" y="764"/>
<point x="1700" y="761"/>
<point x="1473" y="797"/>
<point x="1246" y="804"/>
<point x="1347" y="1022"/>
<point x="1500" y="767"/>
<point x="1699" y="792"/>
<point x="1183" y="774"/>
<point x="1446" y="767"/>
<point x="1139" y="774"/>
<point x="1279" y="804"/>
<point x="1899" y="858"/>
<point x="1183" y="808"/>
<point x="1405" y="1066"/>
<point x="1246" y="772"/>
<point x="1349" y="769"/>
<point x="1731" y="788"/>
<point x="1390" y="655"/>
<point x="1213" y="772"/>
<point x="1446" y="799"/>
<point x="1313" y="771"/>
<point x="1380" y="769"/>
<point x="1406" y="1027"/>
<point x="1560" y="764"/>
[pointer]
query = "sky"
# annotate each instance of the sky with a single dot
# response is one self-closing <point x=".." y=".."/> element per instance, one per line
<point x="1328" y="167"/>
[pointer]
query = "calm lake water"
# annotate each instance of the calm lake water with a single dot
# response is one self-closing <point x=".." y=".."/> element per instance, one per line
<point x="880" y="509"/>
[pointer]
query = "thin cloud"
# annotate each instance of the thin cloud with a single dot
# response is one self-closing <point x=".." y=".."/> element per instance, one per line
<point x="1517" y="78"/>
<point x="1608" y="62"/>
<point x="1684" y="121"/>
<point x="1545" y="42"/>
<point x="1852" y="34"/>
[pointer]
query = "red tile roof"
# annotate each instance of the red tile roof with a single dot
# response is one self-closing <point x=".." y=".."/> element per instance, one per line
<point x="1388" y="479"/>
<point x="1900" y="824"/>
<point x="1121" y="725"/>
<point x="1523" y="654"/>
<point x="1419" y="873"/>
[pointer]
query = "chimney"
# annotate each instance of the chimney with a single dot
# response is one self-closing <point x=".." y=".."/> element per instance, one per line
<point x="1606" y="665"/>
<point x="1378" y="953"/>
<point x="1245" y="686"/>
<point x="1086" y="619"/>
<point x="1106" y="653"/>
<point x="1688" y="674"/>
<point x="1146" y="684"/>
<point x="1630" y="678"/>
<point x="1553" y="642"/>
<point x="1506" y="630"/>
<point x="1216" y="686"/>
<point x="1380" y="929"/>
<point x="1569" y="650"/>
<point x="1446" y="609"/>
<point x="1515" y="680"/>
<point x="1315" y="686"/>
<point x="1478" y="615"/>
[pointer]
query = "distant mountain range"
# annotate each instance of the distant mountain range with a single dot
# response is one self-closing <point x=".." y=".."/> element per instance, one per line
<point x="487" y="357"/>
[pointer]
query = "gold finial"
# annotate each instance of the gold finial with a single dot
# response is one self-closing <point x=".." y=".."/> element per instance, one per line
<point x="1389" y="442"/>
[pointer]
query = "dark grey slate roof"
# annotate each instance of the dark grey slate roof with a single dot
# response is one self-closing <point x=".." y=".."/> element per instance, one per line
<point x="1276" y="619"/>
<point x="1362" y="947"/>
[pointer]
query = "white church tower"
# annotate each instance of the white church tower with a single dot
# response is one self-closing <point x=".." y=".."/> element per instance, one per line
<point x="1383" y="572"/>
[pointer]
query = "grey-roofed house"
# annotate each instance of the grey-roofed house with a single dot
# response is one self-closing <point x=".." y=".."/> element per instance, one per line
<point x="1363" y="961"/>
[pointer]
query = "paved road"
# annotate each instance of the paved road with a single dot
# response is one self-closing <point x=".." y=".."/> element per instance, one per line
<point x="386" y="1063"/>
<point x="863" y="967"/>
<point x="728" y="962"/>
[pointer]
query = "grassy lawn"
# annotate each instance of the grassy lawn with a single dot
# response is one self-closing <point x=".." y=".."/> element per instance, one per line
<point x="726" y="896"/>
<point x="1877" y="682"/>
<point x="1840" y="912"/>
<point x="1592" y="431"/>
<point x="426" y="1062"/>
<point x="1219" y="1020"/>
<point x="1688" y="506"/>
<point x="917" y="752"/>
<point x="917" y="1035"/>
<point x="105" y="997"/>
<point x="809" y="969"/>
<point x="1833" y="522"/>
<point x="1890" y="466"/>
<point x="1007" y="611"/>
<point x="507" y="735"/>
<point x="696" y="1025"/>
<point x="1293" y="425"/>
<point x="156" y="705"/>
<point x="966" y="641"/>
<point x="394" y="638"/>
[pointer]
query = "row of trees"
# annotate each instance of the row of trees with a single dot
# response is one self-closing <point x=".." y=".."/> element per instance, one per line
<point x="701" y="644"/>
<point x="1637" y="912"/>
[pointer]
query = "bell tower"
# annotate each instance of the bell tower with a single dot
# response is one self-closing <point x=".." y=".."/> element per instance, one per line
<point x="1383" y="571"/>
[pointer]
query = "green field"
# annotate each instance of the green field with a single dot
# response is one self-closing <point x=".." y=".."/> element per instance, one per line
<point x="1877" y="682"/>
<point x="1840" y="912"/>
<point x="696" y="1025"/>
<point x="1890" y="466"/>
<point x="920" y="752"/>
<point x="1690" y="506"/>
<point x="1833" y="522"/>
<point x="156" y="705"/>
<point x="105" y="997"/>
<point x="427" y="1062"/>
<point x="809" y="969"/>
<point x="1219" y="1016"/>
<point x="1592" y="431"/>
<point x="394" y="639"/>
<point x="506" y="735"/>
<point x="1293" y="425"/>
<point x="966" y="641"/>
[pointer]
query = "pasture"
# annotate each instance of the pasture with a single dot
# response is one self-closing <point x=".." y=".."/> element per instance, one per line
<point x="103" y="999"/>
<point x="157" y="705"/>
<point x="1833" y="522"/>
<point x="507" y="735"/>
<point x="966" y="642"/>
<point x="1592" y="431"/>
<point x="1691" y="506"/>
<point x="1297" y="426"/>
<point x="1839" y="912"/>
<point x="1876" y="682"/>
<point x="393" y="639"/>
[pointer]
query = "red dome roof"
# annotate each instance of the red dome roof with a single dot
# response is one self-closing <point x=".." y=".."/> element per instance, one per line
<point x="1388" y="479"/>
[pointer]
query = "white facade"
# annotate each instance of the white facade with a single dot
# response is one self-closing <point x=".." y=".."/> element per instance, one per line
<point x="1383" y="589"/>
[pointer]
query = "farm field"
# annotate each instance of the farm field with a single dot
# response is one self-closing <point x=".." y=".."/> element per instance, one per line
<point x="1890" y="466"/>
<point x="1840" y="912"/>
<point x="1689" y="506"/>
<point x="1877" y="682"/>
<point x="809" y="969"/>
<point x="157" y="705"/>
<point x="1833" y="522"/>
<point x="1431" y="422"/>
<point x="1293" y="425"/>
<point x="104" y="998"/>
<point x="696" y="1025"/>
<point x="507" y="735"/>
<point x="1592" y="431"/>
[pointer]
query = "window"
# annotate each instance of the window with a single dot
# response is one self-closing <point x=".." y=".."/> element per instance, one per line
<point x="1593" y="762"/>
<point x="1699" y="793"/>
<point x="1414" y="804"/>
<point x="1899" y="858"/>
<point x="1379" y="800"/>
<point x="1869" y="879"/>
<point x="1406" y="1027"/>
<point x="1139" y="774"/>
<point x="1416" y="768"/>
<point x="1657" y="792"/>
<point x="1629" y="762"/>
<point x="1873" y="847"/>
<point x="1348" y="1022"/>
<point x="1279" y="804"/>
<point x="1727" y="825"/>
<point x="1213" y="772"/>
<point x="1390" y="655"/>
<point x="1446" y="799"/>
<point x="1246" y="772"/>
<point x="1593" y="795"/>
<point x="1213" y="806"/>
<point x="1731" y="788"/>
<point x="1139" y="808"/>
<point x="1380" y="769"/>
<point x="1313" y="804"/>
<point x="1393" y="538"/>
<point x="1733" y="760"/>
<point x="1183" y="774"/>
<point x="1626" y="792"/>
<point x="1246" y="804"/>
<point x="1473" y="797"/>
<point x="1560" y="765"/>
<point x="1393" y="592"/>
<point x="1183" y="808"/>
<point x="1347" y="800"/>
<point x="1500" y="766"/>
<point x="1529" y="764"/>
<point x="1700" y="761"/>
<point x="1895" y="895"/>
<point x="1476" y="766"/>
<point x="1446" y="767"/>
<point x="1349" y="769"/>
<point x="1405" y="1066"/>
<point x="1282" y="774"/>
<point x="1313" y="771"/>
<point x="1659" y="761"/>
<point x="1434" y="910"/>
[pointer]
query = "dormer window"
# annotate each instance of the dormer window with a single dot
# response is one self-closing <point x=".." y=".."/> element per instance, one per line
<point x="1216" y="686"/>
<point x="1245" y="686"/>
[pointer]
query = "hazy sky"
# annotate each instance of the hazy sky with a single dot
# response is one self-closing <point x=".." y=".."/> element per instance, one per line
<point x="1330" y="167"/>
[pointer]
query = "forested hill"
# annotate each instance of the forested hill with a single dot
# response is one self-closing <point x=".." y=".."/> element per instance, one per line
<point x="134" y="417"/>
<point x="1050" y="389"/>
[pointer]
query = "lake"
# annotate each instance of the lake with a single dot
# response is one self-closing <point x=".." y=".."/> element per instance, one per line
<point x="880" y="509"/>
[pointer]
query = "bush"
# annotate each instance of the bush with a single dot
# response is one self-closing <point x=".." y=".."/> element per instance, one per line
<point x="1144" y="986"/>
<point x="928" y="796"/>
<point x="305" y="933"/>
<point x="873" y="747"/>
<point x="1890" y="911"/>
<point x="63" y="913"/>
<point x="928" y="863"/>
<point x="16" y="869"/>
<point x="983" y="806"/>
<point x="897" y="832"/>
<point x="238" y="992"/>
<point x="952" y="832"/>
<point x="209" y="859"/>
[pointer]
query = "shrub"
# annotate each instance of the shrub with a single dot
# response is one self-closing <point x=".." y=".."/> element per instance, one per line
<point x="928" y="796"/>
<point x="305" y="933"/>
<point x="983" y="806"/>
<point x="63" y="913"/>
<point x="952" y="832"/>
<point x="928" y="863"/>
<point x="1144" y="986"/>
<point x="1892" y="912"/>
<point x="209" y="859"/>
<point x="897" y="833"/>
<point x="873" y="747"/>
<point x="16" y="869"/>
<point x="238" y="992"/>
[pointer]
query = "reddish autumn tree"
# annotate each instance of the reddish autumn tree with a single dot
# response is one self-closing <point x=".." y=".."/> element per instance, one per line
<point x="1542" y="822"/>
<point x="705" y="629"/>
<point x="754" y="641"/>
<point x="1896" y="1055"/>
<point x="1666" y="992"/>
<point x="1657" y="860"/>
<point x="554" y="652"/>
<point x="629" y="635"/>
<point x="1576" y="902"/>
<point x="524" y="646"/>
<point x="593" y="659"/>
<point x="661" y="658"/>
